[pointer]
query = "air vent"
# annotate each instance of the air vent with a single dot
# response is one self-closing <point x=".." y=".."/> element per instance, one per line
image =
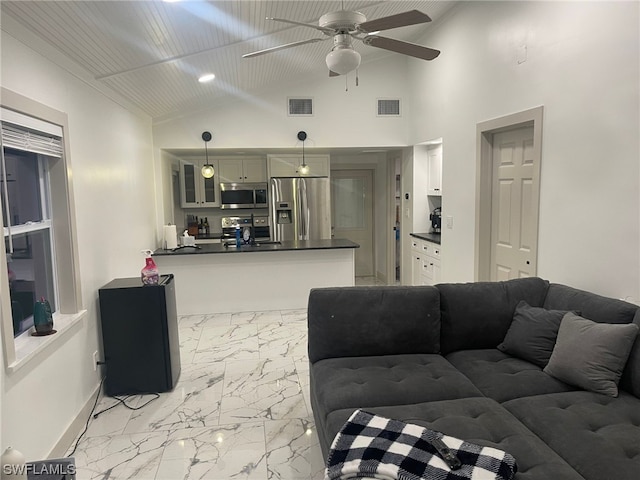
<point x="300" y="107"/>
<point x="389" y="107"/>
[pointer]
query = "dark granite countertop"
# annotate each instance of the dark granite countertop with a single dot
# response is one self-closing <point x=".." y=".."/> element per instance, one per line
<point x="260" y="247"/>
<point x="429" y="237"/>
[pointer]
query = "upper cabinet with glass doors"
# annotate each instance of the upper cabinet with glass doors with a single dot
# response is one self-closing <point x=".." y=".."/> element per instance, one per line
<point x="195" y="190"/>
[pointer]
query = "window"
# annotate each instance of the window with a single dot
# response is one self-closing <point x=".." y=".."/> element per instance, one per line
<point x="24" y="191"/>
<point x="37" y="208"/>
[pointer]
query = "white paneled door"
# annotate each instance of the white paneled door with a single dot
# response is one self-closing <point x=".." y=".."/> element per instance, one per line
<point x="514" y="221"/>
<point x="352" y="215"/>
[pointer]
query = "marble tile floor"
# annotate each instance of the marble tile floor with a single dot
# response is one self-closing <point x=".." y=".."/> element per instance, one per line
<point x="240" y="409"/>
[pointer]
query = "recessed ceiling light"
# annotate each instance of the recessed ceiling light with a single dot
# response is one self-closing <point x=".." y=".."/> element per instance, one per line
<point x="171" y="1"/>
<point x="207" y="77"/>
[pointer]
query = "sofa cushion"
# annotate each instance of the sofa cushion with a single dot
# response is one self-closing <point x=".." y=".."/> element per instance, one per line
<point x="477" y="420"/>
<point x="364" y="382"/>
<point x="601" y="309"/>
<point x="591" y="355"/>
<point x="363" y="321"/>
<point x="597" y="434"/>
<point x="503" y="377"/>
<point x="478" y="315"/>
<point x="532" y="334"/>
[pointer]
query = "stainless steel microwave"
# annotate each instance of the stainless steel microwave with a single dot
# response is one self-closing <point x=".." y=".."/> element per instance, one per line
<point x="243" y="195"/>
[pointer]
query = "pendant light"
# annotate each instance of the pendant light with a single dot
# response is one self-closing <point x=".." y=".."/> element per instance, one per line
<point x="207" y="168"/>
<point x="304" y="168"/>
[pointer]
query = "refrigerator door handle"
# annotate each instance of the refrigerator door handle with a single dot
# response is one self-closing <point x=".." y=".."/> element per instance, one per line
<point x="304" y="211"/>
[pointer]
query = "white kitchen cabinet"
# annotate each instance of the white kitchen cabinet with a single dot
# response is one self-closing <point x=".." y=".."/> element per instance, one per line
<point x="425" y="261"/>
<point x="195" y="190"/>
<point x="431" y="259"/>
<point x="434" y="171"/>
<point x="416" y="262"/>
<point x="242" y="170"/>
<point x="416" y="268"/>
<point x="289" y="165"/>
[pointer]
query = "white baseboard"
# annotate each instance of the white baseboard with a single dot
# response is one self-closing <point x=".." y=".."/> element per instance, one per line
<point x="77" y="425"/>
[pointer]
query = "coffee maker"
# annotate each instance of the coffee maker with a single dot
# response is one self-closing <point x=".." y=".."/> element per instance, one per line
<point x="436" y="220"/>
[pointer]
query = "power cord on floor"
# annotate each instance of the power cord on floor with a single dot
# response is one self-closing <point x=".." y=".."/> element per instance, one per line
<point x="95" y="403"/>
<point x="86" y="425"/>
<point x="123" y="401"/>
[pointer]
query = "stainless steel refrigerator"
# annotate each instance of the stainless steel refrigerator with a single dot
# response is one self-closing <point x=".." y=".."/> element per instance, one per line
<point x="300" y="208"/>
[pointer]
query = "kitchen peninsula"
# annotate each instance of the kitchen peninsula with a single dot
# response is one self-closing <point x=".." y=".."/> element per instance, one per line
<point x="213" y="278"/>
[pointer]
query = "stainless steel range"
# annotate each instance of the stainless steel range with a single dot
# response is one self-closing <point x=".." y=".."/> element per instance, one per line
<point x="253" y="227"/>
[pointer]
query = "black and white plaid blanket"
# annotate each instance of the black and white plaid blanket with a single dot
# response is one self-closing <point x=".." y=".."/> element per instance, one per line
<point x="370" y="446"/>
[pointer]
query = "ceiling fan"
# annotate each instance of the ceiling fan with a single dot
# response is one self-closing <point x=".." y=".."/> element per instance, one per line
<point x="344" y="25"/>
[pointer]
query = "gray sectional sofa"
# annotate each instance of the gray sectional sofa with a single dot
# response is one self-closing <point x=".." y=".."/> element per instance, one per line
<point x="428" y="355"/>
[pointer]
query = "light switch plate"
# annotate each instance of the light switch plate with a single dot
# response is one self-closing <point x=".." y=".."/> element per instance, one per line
<point x="449" y="221"/>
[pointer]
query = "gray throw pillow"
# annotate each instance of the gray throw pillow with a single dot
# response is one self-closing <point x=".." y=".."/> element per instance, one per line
<point x="591" y="355"/>
<point x="532" y="334"/>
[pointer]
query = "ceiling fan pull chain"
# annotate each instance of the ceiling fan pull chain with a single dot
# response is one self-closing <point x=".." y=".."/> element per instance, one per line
<point x="357" y="82"/>
<point x="346" y="83"/>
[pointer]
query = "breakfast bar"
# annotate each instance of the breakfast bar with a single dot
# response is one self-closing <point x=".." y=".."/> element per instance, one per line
<point x="212" y="278"/>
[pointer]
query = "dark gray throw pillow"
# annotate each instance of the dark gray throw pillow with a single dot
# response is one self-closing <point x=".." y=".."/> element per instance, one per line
<point x="591" y="355"/>
<point x="532" y="334"/>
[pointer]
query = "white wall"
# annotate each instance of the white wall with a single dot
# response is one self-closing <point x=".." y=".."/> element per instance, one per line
<point x="582" y="65"/>
<point x="341" y="119"/>
<point x="113" y="179"/>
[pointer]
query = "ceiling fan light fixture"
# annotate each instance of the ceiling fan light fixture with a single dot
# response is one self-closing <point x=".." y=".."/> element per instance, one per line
<point x="343" y="60"/>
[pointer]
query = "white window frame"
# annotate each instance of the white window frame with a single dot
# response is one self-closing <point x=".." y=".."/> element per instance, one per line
<point x="26" y="348"/>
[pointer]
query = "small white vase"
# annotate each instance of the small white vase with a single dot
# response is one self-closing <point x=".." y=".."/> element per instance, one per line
<point x="13" y="465"/>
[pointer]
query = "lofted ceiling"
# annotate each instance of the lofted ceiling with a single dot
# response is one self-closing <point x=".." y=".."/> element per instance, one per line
<point x="152" y="52"/>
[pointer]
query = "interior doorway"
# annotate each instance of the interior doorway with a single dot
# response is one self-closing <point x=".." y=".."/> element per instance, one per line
<point x="352" y="215"/>
<point x="508" y="193"/>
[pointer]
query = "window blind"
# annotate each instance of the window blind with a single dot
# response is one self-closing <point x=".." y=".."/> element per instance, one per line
<point x="21" y="138"/>
<point x="30" y="134"/>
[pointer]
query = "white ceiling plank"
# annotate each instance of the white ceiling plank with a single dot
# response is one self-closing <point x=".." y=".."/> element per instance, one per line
<point x="151" y="52"/>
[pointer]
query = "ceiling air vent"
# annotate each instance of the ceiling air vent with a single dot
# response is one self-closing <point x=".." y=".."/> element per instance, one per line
<point x="389" y="107"/>
<point x="300" y="107"/>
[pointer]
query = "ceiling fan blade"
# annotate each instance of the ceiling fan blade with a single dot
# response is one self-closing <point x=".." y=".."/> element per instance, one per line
<point x="406" y="48"/>
<point x="329" y="31"/>
<point x="333" y="74"/>
<point x="281" y="47"/>
<point x="412" y="17"/>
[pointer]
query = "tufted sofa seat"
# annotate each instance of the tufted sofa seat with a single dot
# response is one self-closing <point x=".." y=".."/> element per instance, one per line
<point x="427" y="355"/>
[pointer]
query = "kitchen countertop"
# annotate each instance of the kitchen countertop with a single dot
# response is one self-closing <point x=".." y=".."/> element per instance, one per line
<point x="328" y="244"/>
<point x="429" y="237"/>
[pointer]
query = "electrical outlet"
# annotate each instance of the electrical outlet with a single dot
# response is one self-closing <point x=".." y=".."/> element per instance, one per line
<point x="95" y="361"/>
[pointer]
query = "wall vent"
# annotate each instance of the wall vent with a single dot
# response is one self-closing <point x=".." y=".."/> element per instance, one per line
<point x="389" y="107"/>
<point x="300" y="107"/>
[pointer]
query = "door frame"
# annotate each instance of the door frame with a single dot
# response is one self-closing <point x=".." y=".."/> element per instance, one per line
<point x="392" y="158"/>
<point x="484" y="180"/>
